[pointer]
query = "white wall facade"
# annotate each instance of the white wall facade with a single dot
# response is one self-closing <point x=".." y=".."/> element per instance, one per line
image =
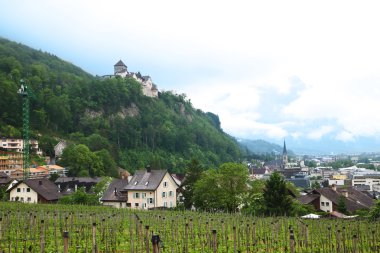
<point x="325" y="204"/>
<point x="23" y="193"/>
<point x="366" y="181"/>
<point x="164" y="196"/>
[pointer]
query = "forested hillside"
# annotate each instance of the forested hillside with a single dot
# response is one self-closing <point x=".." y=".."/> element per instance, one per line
<point x="111" y="117"/>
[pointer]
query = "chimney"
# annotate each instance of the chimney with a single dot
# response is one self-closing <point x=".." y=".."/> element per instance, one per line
<point x="345" y="193"/>
<point x="333" y="186"/>
<point x="40" y="182"/>
<point x="148" y="169"/>
<point x="115" y="191"/>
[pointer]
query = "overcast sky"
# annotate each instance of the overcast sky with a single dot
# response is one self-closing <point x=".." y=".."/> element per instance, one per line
<point x="269" y="69"/>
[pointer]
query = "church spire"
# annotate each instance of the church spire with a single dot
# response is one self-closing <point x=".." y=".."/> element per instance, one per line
<point x="284" y="156"/>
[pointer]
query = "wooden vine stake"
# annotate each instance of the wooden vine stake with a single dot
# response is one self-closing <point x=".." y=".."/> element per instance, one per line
<point x="94" y="246"/>
<point x="147" y="238"/>
<point x="214" y="240"/>
<point x="42" y="237"/>
<point x="65" y="242"/>
<point x="291" y="241"/>
<point x="155" y="241"/>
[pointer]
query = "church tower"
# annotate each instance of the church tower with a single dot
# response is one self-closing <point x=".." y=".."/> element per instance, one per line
<point x="284" y="157"/>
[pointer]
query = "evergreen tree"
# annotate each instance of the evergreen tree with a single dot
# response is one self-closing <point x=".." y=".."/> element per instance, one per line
<point x="276" y="198"/>
<point x="342" y="208"/>
<point x="193" y="173"/>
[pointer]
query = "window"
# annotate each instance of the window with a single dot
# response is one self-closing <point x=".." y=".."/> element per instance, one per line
<point x="147" y="182"/>
<point x="171" y="204"/>
<point x="327" y="204"/>
<point x="164" y="194"/>
<point x="170" y="193"/>
<point x="150" y="201"/>
<point x="323" y="203"/>
<point x="165" y="184"/>
<point x="136" y="195"/>
<point x="18" y="189"/>
<point x="136" y="204"/>
<point x="22" y="199"/>
<point x="165" y="204"/>
<point x="28" y="189"/>
<point x="29" y="199"/>
<point x="143" y="195"/>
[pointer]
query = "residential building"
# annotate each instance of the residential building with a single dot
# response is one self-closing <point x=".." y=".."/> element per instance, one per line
<point x="151" y="189"/>
<point x="114" y="195"/>
<point x="58" y="149"/>
<point x="327" y="199"/>
<point x="16" y="145"/>
<point x="34" y="191"/>
<point x="10" y="161"/>
<point x="68" y="185"/>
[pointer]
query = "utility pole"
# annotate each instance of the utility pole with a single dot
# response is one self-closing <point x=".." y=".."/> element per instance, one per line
<point x="24" y="93"/>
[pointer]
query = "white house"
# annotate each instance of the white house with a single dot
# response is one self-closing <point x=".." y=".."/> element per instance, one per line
<point x="34" y="191"/>
<point x="151" y="189"/>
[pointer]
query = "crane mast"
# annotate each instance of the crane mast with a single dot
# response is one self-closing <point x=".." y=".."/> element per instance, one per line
<point x="24" y="93"/>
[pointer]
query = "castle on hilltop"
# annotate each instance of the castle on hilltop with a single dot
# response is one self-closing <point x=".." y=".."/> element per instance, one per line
<point x="148" y="87"/>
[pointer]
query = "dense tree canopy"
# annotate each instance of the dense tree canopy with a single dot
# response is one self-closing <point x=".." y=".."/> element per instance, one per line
<point x="110" y="114"/>
<point x="276" y="196"/>
<point x="222" y="189"/>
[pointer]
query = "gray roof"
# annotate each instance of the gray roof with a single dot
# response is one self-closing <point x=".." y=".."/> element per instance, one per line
<point x="307" y="199"/>
<point x="4" y="178"/>
<point x="120" y="63"/>
<point x="144" y="180"/>
<point x="356" y="199"/>
<point x="78" y="180"/>
<point x="112" y="196"/>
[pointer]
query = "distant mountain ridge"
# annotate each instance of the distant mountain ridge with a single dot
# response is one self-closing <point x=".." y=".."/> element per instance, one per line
<point x="263" y="147"/>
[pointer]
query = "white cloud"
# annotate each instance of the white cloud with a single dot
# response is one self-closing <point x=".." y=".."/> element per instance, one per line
<point x="320" y="132"/>
<point x="237" y="59"/>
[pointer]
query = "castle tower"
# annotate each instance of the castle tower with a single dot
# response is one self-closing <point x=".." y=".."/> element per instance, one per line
<point x="284" y="156"/>
<point x="120" y="69"/>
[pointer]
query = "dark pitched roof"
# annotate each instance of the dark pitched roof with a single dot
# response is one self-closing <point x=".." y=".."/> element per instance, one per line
<point x="44" y="187"/>
<point x="120" y="63"/>
<point x="143" y="180"/>
<point x="4" y="178"/>
<point x="307" y="199"/>
<point x="258" y="171"/>
<point x="274" y="163"/>
<point x="300" y="182"/>
<point x="355" y="200"/>
<point x="110" y="195"/>
<point x="78" y="180"/>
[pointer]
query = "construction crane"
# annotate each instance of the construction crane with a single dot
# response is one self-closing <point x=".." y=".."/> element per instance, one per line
<point x="24" y="93"/>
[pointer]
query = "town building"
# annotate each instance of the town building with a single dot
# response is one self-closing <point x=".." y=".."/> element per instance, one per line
<point x="34" y="191"/>
<point x="369" y="180"/>
<point x="115" y="195"/>
<point x="16" y="145"/>
<point x="326" y="199"/>
<point x="150" y="189"/>
<point x="10" y="161"/>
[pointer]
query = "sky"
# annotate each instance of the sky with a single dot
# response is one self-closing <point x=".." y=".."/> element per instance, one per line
<point x="304" y="71"/>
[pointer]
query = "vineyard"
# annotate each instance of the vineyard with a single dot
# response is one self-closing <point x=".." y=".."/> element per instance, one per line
<point x="56" y="228"/>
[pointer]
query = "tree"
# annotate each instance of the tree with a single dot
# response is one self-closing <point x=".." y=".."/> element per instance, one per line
<point x="341" y="207"/>
<point x="222" y="189"/>
<point x="375" y="211"/>
<point x="254" y="200"/>
<point x="315" y="185"/>
<point x="276" y="198"/>
<point x="193" y="173"/>
<point x="234" y="177"/>
<point x="81" y="161"/>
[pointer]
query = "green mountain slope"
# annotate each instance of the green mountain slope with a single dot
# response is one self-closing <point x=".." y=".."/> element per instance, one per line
<point x="110" y="115"/>
<point x="262" y="147"/>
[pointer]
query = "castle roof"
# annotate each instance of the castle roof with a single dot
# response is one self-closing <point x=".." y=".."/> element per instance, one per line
<point x="120" y="63"/>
